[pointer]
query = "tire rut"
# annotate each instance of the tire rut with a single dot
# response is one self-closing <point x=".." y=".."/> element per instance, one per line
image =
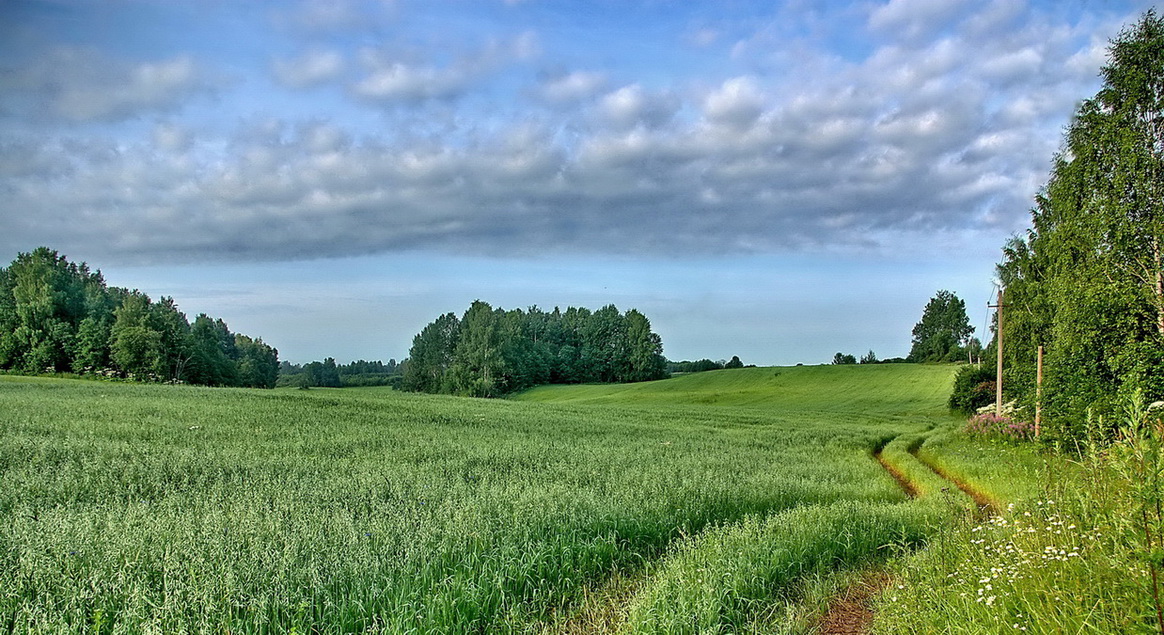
<point x="851" y="611"/>
<point x="906" y="486"/>
<point x="986" y="506"/>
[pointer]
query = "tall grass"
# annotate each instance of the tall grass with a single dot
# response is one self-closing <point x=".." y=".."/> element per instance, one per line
<point x="174" y="509"/>
<point x="732" y="577"/>
<point x="729" y="577"/>
<point x="1074" y="551"/>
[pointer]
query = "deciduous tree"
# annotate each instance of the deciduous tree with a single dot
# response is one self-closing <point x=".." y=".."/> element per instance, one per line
<point x="943" y="330"/>
<point x="136" y="346"/>
<point x="1087" y="281"/>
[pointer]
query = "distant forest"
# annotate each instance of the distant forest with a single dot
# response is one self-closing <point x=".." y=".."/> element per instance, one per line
<point x="702" y="365"/>
<point x="329" y="374"/>
<point x="489" y="352"/>
<point x="362" y="373"/>
<point x="59" y="317"/>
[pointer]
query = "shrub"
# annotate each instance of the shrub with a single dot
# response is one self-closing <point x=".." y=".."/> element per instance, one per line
<point x="973" y="388"/>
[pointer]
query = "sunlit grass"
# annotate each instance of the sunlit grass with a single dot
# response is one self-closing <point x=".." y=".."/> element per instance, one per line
<point x="1065" y="556"/>
<point x="178" y="508"/>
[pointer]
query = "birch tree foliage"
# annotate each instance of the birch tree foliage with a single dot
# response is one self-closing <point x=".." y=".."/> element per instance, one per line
<point x="1087" y="282"/>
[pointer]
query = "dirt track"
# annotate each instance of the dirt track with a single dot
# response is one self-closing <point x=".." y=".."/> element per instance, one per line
<point x="851" y="611"/>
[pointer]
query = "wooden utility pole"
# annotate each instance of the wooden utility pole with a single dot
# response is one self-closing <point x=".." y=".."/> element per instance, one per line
<point x="998" y="345"/>
<point x="1039" y="391"/>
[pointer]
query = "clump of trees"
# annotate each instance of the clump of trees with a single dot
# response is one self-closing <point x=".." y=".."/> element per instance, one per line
<point x="1086" y="282"/>
<point x="867" y="358"/>
<point x="703" y="365"/>
<point x="489" y="352"/>
<point x="58" y="317"/>
<point x="944" y="332"/>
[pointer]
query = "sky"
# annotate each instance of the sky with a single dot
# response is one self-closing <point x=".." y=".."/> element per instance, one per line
<point x="777" y="180"/>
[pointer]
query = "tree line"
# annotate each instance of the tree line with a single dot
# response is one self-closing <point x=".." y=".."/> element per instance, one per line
<point x="703" y="365"/>
<point x="1086" y="282"/>
<point x="58" y="317"/>
<point x="329" y="374"/>
<point x="489" y="352"/>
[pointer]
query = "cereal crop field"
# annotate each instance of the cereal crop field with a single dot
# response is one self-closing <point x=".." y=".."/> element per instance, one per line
<point x="150" y="508"/>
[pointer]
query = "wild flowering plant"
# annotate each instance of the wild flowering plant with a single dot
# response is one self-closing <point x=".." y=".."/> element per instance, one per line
<point x="1039" y="566"/>
<point x="1086" y="555"/>
<point x="989" y="424"/>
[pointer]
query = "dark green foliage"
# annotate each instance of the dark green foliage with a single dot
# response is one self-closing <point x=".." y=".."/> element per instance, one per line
<point x="482" y="360"/>
<point x="734" y="362"/>
<point x="213" y="353"/>
<point x="869" y="358"/>
<point x="844" y="358"/>
<point x="1087" y="281"/>
<point x="697" y="366"/>
<point x="366" y="373"/>
<point x="943" y="330"/>
<point x="92" y="344"/>
<point x="432" y="355"/>
<point x="57" y="316"/>
<point x="490" y="352"/>
<point x="324" y="374"/>
<point x="645" y="359"/>
<point x="174" y="332"/>
<point x="360" y="373"/>
<point x="135" y="345"/>
<point x="974" y="387"/>
<point x="43" y="299"/>
<point x="258" y="363"/>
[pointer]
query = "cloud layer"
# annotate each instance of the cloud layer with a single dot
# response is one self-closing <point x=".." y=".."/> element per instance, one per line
<point x="932" y="121"/>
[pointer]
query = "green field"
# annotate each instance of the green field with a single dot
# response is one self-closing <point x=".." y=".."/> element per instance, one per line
<point x="889" y="392"/>
<point x="712" y="496"/>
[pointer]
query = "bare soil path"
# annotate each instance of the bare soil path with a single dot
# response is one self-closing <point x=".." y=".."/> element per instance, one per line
<point x="906" y="485"/>
<point x="851" y="612"/>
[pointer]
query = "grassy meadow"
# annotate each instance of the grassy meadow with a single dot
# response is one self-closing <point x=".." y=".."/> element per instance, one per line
<point x="150" y="508"/>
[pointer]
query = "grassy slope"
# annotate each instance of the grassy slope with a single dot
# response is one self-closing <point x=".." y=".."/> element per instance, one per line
<point x="750" y="576"/>
<point x="137" y="506"/>
<point x="228" y="508"/>
<point x="893" y="390"/>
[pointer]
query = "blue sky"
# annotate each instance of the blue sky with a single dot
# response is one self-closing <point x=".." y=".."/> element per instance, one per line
<point x="774" y="180"/>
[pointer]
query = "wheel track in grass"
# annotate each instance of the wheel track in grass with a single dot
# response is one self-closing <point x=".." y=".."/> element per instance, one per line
<point x="906" y="486"/>
<point x="986" y="505"/>
<point x="850" y="612"/>
<point x="602" y="609"/>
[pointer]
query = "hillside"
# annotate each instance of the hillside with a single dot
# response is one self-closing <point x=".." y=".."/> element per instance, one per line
<point x="346" y="509"/>
<point x="889" y="389"/>
<point x="728" y="501"/>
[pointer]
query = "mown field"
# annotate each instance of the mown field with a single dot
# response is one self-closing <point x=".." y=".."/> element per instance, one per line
<point x="148" y="508"/>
